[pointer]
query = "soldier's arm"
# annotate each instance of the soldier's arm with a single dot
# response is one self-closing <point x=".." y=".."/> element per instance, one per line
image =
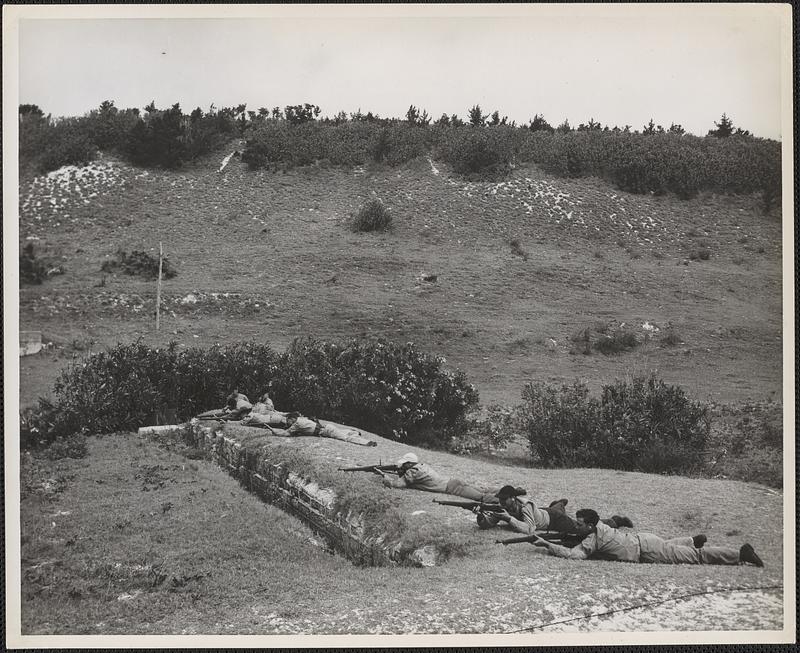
<point x="406" y="480"/>
<point x="521" y="526"/>
<point x="393" y="481"/>
<point x="580" y="552"/>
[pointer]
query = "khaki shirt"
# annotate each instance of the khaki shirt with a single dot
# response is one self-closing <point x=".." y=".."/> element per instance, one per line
<point x="421" y="477"/>
<point x="610" y="543"/>
<point x="532" y="518"/>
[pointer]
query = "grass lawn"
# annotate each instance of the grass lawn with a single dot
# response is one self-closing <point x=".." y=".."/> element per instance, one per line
<point x="137" y="538"/>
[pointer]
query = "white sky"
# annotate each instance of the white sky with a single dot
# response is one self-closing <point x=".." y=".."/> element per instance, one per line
<point x="619" y="64"/>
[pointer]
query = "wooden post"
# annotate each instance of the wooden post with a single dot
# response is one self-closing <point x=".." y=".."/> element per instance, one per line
<point x="158" y="287"/>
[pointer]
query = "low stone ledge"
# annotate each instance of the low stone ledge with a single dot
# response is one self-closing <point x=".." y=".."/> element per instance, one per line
<point x="246" y="459"/>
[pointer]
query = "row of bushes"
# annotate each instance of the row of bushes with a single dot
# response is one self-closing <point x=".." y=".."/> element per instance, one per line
<point x="660" y="162"/>
<point x="158" y="137"/>
<point x="399" y="392"/>
<point x="391" y="389"/>
<point x="637" y="163"/>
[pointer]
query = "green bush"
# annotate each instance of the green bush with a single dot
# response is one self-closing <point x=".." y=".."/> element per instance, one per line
<point x="391" y="389"/>
<point x="398" y="144"/>
<point x="746" y="443"/>
<point x="65" y="143"/>
<point x="158" y="139"/>
<point x="642" y="425"/>
<point x="615" y="341"/>
<point x="488" y="431"/>
<point x="476" y="152"/>
<point x="605" y="338"/>
<point x="36" y="266"/>
<point x="372" y="216"/>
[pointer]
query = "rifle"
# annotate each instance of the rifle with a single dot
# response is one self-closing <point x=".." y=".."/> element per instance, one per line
<point x="473" y="505"/>
<point x="376" y="469"/>
<point x="564" y="539"/>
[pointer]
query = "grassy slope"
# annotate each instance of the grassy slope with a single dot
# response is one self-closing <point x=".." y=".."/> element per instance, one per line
<point x="96" y="532"/>
<point x="281" y="241"/>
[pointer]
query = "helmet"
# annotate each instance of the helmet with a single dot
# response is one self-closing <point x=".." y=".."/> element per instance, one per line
<point x="407" y="458"/>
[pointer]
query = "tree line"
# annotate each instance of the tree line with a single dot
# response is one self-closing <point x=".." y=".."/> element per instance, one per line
<point x="485" y="145"/>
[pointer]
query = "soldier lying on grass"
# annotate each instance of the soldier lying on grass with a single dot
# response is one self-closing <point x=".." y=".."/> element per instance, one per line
<point x="524" y="516"/>
<point x="263" y="415"/>
<point x="420" y="476"/>
<point x="236" y="407"/>
<point x="608" y="543"/>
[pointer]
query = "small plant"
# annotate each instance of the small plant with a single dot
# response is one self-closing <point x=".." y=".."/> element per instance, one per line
<point x="490" y="430"/>
<point x="372" y="216"/>
<point x="138" y="263"/>
<point x="700" y="254"/>
<point x="615" y="341"/>
<point x="35" y="268"/>
<point x="516" y="249"/>
<point x="670" y="336"/>
<point x="605" y="338"/>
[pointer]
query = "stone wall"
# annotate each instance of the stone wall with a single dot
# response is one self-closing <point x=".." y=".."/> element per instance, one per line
<point x="275" y="483"/>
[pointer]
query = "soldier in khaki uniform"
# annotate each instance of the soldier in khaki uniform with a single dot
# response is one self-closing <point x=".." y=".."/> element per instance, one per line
<point x="420" y="476"/>
<point x="608" y="543"/>
<point x="524" y="516"/>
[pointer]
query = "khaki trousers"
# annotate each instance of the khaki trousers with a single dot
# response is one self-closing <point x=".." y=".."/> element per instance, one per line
<point x="681" y="550"/>
<point x="460" y="489"/>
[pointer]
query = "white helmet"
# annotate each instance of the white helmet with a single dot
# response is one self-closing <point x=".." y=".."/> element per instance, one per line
<point x="407" y="458"/>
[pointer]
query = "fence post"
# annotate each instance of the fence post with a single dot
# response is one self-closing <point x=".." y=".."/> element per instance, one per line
<point x="158" y="287"/>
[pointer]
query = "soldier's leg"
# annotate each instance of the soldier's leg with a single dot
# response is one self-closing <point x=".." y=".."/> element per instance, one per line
<point x="460" y="489"/>
<point x="681" y="550"/>
<point x="669" y="552"/>
<point x="719" y="555"/>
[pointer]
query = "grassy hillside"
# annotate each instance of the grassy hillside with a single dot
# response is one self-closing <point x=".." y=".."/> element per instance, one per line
<point x="111" y="545"/>
<point x="521" y="268"/>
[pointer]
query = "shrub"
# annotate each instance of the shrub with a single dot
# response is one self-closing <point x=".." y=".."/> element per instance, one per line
<point x="477" y="152"/>
<point x="615" y="341"/>
<point x="517" y="250"/>
<point x="490" y="430"/>
<point x="746" y="443"/>
<point x="605" y="338"/>
<point x="670" y="336"/>
<point x="158" y="139"/>
<point x="391" y="389"/>
<point x="700" y="254"/>
<point x="384" y="387"/>
<point x="34" y="268"/>
<point x="398" y="144"/>
<point x="65" y="142"/>
<point x="642" y="425"/>
<point x="138" y="263"/>
<point x="372" y="216"/>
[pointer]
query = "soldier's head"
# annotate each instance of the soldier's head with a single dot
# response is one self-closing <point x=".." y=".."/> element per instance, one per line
<point x="407" y="461"/>
<point x="508" y="498"/>
<point x="587" y="516"/>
